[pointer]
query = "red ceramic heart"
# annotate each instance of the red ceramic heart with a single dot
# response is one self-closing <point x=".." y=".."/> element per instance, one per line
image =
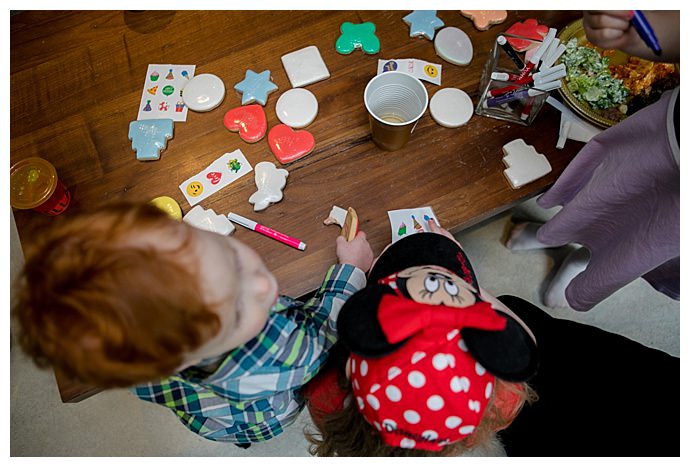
<point x="289" y="145"/>
<point x="249" y="120"/>
<point x="530" y="29"/>
<point x="214" y="177"/>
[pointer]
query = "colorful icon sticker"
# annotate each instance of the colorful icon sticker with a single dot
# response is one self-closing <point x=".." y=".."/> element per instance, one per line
<point x="420" y="69"/>
<point x="164" y="83"/>
<point x="390" y="66"/>
<point x="219" y="174"/>
<point x="214" y="177"/>
<point x="405" y="222"/>
<point x="234" y="165"/>
<point x="430" y="70"/>
<point x="194" y="189"/>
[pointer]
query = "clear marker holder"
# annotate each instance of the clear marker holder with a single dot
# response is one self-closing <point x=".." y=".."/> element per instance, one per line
<point x="521" y="110"/>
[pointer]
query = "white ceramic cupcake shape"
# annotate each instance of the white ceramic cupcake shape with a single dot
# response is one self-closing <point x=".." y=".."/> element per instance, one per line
<point x="297" y="107"/>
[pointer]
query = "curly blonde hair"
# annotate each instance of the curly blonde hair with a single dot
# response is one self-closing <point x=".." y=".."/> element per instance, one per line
<point x="104" y="310"/>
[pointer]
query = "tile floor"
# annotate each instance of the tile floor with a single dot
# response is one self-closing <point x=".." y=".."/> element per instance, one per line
<point x="116" y="423"/>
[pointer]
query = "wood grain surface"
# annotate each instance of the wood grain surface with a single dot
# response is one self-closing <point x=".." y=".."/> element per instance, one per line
<point x="76" y="81"/>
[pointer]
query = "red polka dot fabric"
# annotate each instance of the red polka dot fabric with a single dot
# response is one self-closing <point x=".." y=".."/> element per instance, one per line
<point x="429" y="393"/>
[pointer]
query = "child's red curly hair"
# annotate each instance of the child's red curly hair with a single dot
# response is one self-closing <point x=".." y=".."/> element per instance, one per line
<point x="106" y="310"/>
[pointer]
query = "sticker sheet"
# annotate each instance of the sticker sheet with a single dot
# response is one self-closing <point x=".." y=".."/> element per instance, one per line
<point x="222" y="172"/>
<point x="162" y="94"/>
<point x="405" y="222"/>
<point x="420" y="69"/>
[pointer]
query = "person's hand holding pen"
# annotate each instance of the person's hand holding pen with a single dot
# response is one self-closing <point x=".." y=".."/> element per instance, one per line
<point x="614" y="30"/>
<point x="356" y="252"/>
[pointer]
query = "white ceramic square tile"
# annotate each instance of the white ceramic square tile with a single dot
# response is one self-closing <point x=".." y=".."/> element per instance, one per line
<point x="305" y="66"/>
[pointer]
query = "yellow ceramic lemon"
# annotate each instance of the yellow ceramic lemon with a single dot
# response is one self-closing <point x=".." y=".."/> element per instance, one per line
<point x="168" y="206"/>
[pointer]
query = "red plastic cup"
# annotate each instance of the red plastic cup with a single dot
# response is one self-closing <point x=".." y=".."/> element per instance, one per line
<point x="34" y="184"/>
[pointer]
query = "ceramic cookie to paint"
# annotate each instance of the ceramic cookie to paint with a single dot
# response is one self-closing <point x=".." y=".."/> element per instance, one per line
<point x="270" y="182"/>
<point x="207" y="219"/>
<point x="297" y="107"/>
<point x="357" y="36"/>
<point x="423" y="23"/>
<point x="451" y="107"/>
<point x="289" y="145"/>
<point x="255" y="87"/>
<point x="168" y="206"/>
<point x="524" y="164"/>
<point x="203" y="92"/>
<point x="530" y="29"/>
<point x="484" y="19"/>
<point x="305" y="66"/>
<point x="454" y="46"/>
<point x="150" y="137"/>
<point x="248" y="120"/>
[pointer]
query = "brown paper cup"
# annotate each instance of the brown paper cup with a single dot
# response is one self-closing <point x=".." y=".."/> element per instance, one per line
<point x="395" y="102"/>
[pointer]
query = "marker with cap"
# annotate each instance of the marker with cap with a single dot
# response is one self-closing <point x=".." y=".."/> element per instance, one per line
<point x="550" y="59"/>
<point x="534" y="59"/>
<point x="527" y="109"/>
<point x="544" y="74"/>
<point x="522" y="94"/>
<point x="536" y="80"/>
<point x="645" y="31"/>
<point x="503" y="42"/>
<point x="262" y="229"/>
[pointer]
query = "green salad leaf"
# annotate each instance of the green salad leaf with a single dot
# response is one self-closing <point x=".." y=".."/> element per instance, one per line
<point x="589" y="78"/>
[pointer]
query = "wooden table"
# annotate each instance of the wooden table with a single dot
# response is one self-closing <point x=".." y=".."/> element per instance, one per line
<point x="76" y="80"/>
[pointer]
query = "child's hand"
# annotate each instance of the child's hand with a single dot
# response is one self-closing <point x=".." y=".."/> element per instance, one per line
<point x="356" y="252"/>
<point x="611" y="29"/>
<point x="435" y="228"/>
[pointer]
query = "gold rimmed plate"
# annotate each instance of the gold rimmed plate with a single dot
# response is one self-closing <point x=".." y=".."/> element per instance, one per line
<point x="603" y="118"/>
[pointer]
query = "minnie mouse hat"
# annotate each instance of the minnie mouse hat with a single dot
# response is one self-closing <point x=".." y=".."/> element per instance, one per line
<point x="421" y="249"/>
<point x="418" y="366"/>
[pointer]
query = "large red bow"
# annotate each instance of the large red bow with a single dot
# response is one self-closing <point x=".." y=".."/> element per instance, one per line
<point x="401" y="317"/>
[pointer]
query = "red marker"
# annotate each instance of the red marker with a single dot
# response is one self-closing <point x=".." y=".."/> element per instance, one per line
<point x="262" y="229"/>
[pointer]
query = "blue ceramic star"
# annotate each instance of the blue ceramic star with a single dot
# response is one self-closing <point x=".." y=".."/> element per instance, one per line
<point x="423" y="23"/>
<point x="255" y="87"/>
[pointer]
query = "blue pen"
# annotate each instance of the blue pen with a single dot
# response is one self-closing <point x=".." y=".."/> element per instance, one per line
<point x="645" y="31"/>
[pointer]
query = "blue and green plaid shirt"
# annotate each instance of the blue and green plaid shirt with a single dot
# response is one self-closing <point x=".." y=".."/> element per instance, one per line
<point x="252" y="393"/>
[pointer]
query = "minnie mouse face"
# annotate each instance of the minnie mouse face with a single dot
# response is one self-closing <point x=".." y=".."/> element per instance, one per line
<point x="435" y="285"/>
<point x="431" y="271"/>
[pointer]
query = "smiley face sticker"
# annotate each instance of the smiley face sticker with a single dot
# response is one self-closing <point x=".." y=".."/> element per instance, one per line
<point x="431" y="71"/>
<point x="195" y="189"/>
<point x="420" y="69"/>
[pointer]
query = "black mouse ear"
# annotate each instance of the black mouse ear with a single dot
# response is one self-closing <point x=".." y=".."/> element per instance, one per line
<point x="358" y="324"/>
<point x="510" y="354"/>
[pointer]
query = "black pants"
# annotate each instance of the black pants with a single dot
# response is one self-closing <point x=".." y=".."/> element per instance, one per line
<point x="600" y="394"/>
